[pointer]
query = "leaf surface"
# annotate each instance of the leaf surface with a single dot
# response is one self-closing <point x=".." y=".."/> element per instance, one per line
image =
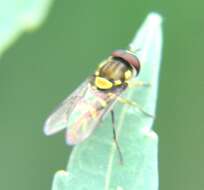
<point x="17" y="16"/>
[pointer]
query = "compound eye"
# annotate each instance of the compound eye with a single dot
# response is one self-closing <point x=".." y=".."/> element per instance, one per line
<point x="129" y="58"/>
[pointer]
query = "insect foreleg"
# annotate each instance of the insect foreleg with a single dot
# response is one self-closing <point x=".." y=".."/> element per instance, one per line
<point x="135" y="84"/>
<point x="134" y="104"/>
<point x="115" y="137"/>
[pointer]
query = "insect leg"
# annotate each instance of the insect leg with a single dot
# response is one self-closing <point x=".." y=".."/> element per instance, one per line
<point x="135" y="84"/>
<point x="134" y="104"/>
<point x="115" y="137"/>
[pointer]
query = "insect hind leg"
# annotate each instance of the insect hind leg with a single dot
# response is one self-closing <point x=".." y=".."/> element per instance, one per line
<point x="115" y="137"/>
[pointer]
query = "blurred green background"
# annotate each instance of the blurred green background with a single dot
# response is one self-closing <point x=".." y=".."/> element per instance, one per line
<point x="43" y="67"/>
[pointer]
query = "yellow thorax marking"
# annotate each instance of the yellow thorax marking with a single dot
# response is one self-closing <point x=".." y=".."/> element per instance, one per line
<point x="97" y="73"/>
<point x="117" y="82"/>
<point x="103" y="83"/>
<point x="128" y="75"/>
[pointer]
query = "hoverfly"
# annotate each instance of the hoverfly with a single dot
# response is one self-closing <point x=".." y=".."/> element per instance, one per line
<point x="81" y="112"/>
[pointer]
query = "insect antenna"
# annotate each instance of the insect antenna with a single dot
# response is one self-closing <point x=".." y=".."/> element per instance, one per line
<point x="115" y="137"/>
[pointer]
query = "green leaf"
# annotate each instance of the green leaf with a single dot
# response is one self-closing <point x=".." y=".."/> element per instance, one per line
<point x="17" y="16"/>
<point x="94" y="164"/>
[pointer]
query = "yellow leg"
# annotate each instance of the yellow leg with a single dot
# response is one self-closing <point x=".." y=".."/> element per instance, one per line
<point x="134" y="84"/>
<point x="134" y="104"/>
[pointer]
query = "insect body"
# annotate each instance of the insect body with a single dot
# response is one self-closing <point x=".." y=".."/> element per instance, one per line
<point x="81" y="112"/>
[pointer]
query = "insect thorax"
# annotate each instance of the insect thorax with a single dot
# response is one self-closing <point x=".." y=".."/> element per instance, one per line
<point x="113" y="73"/>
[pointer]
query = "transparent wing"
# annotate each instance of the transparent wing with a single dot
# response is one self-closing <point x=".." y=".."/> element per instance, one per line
<point x="83" y="126"/>
<point x="58" y="119"/>
<point x="88" y="113"/>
